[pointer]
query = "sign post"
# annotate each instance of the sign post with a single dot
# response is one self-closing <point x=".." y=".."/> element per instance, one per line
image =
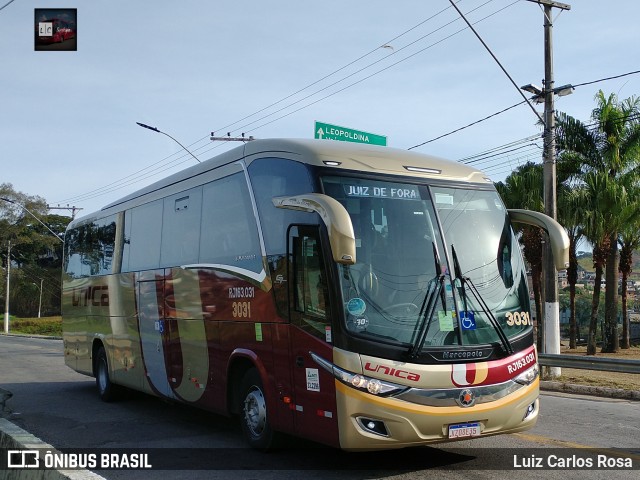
<point x="326" y="131"/>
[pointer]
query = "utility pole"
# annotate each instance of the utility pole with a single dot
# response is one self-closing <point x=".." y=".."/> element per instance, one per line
<point x="6" y="301"/>
<point x="551" y="330"/>
<point x="73" y="210"/>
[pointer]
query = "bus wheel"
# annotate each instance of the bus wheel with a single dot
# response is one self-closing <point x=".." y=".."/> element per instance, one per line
<point x="254" y="416"/>
<point x="106" y="389"/>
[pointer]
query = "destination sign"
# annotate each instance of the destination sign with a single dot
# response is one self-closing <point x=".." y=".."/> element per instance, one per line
<point x="383" y="190"/>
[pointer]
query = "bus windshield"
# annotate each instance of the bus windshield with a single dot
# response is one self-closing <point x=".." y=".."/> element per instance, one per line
<point x="436" y="266"/>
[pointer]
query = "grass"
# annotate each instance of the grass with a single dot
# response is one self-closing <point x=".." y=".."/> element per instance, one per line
<point x="49" y="326"/>
<point x="624" y="381"/>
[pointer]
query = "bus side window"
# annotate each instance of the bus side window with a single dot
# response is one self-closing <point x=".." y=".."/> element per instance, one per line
<point x="309" y="290"/>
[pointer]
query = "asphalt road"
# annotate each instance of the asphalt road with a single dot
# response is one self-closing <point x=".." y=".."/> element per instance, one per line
<point x="62" y="408"/>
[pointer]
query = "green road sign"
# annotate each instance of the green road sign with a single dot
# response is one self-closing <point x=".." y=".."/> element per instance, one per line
<point x="326" y="131"/>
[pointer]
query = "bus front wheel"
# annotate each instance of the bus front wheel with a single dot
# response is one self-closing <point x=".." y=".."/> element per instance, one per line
<point x="106" y="389"/>
<point x="254" y="416"/>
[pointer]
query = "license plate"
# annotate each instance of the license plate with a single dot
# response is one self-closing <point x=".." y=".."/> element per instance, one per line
<point x="464" y="430"/>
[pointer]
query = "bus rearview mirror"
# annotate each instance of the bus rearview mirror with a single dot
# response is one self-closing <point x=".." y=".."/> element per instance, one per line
<point x="335" y="217"/>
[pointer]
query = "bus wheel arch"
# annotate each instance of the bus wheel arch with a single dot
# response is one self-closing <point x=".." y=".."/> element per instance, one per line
<point x="248" y="399"/>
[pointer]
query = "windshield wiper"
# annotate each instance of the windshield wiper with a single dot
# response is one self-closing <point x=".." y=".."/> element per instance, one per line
<point x="476" y="294"/>
<point x="428" y="306"/>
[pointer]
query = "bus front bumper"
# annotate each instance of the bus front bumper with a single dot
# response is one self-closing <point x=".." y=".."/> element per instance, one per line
<point x="369" y="422"/>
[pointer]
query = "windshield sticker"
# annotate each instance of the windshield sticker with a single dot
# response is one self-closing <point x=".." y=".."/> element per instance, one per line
<point x="361" y="323"/>
<point x="313" y="379"/>
<point x="389" y="190"/>
<point x="444" y="198"/>
<point x="445" y="319"/>
<point x="356" y="307"/>
<point x="258" y="328"/>
<point x="468" y="320"/>
<point x="327" y="334"/>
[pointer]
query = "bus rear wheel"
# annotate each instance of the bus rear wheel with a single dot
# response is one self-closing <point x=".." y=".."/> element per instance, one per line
<point x="106" y="389"/>
<point x="254" y="416"/>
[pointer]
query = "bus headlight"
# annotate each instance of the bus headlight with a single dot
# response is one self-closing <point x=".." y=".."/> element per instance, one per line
<point x="359" y="381"/>
<point x="367" y="384"/>
<point x="527" y="377"/>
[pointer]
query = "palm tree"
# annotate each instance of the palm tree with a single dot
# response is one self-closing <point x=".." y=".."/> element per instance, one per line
<point x="612" y="148"/>
<point x="596" y="195"/>
<point x="571" y="215"/>
<point x="523" y="189"/>
<point x="629" y="241"/>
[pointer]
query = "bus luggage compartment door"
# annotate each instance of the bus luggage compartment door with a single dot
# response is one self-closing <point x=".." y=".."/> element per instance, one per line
<point x="150" y="293"/>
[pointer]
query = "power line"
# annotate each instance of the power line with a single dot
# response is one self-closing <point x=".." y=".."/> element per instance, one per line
<point x="144" y="173"/>
<point x="163" y="165"/>
<point x="7" y="4"/>
<point x="368" y="76"/>
<point x="501" y="147"/>
<point x="531" y="154"/>
<point x="502" y="154"/>
<point x="608" y="78"/>
<point x="344" y="67"/>
<point x="526" y="100"/>
<point x="517" y="104"/>
<point x="365" y="68"/>
<point x="467" y="126"/>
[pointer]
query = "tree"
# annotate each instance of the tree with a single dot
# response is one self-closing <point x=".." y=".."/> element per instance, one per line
<point x="594" y="231"/>
<point x="523" y="189"/>
<point x="571" y="215"/>
<point x="36" y="253"/>
<point x="611" y="148"/>
<point x="629" y="241"/>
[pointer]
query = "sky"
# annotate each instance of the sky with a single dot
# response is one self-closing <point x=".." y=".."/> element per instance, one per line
<point x="406" y="69"/>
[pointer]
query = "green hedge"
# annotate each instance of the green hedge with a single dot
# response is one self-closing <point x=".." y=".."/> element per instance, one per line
<point x="51" y="326"/>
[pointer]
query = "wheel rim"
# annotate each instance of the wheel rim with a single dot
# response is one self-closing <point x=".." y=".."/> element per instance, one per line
<point x="255" y="412"/>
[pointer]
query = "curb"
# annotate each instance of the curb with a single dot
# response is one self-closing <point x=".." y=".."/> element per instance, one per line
<point x="617" y="393"/>
<point x="14" y="437"/>
<point x="30" y="335"/>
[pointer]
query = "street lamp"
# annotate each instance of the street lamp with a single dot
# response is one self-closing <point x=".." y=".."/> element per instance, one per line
<point x="160" y="131"/>
<point x="539" y="93"/>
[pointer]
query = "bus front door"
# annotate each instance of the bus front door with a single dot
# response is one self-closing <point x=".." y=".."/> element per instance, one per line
<point x="314" y="388"/>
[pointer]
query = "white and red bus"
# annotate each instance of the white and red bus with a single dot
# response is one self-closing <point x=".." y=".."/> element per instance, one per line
<point x="361" y="297"/>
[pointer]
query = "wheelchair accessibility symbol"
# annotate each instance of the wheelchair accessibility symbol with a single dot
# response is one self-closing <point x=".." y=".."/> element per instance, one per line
<point x="467" y="320"/>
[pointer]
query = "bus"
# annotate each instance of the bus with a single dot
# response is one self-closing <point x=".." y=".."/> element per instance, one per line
<point x="361" y="297"/>
<point x="55" y="30"/>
